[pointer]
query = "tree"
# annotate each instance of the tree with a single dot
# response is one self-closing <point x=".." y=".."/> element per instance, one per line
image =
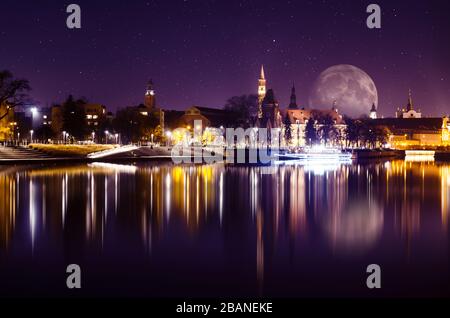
<point x="352" y="131"/>
<point x="374" y="136"/>
<point x="74" y="117"/>
<point x="158" y="134"/>
<point x="243" y="110"/>
<point x="44" y="133"/>
<point x="134" y="126"/>
<point x="13" y="92"/>
<point x="327" y="130"/>
<point x="311" y="131"/>
<point x="287" y="130"/>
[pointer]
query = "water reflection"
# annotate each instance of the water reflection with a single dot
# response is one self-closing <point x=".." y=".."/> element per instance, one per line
<point x="353" y="209"/>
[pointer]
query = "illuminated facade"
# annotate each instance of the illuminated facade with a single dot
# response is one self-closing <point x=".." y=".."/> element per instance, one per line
<point x="409" y="130"/>
<point x="299" y="118"/>
<point x="6" y="123"/>
<point x="95" y="113"/>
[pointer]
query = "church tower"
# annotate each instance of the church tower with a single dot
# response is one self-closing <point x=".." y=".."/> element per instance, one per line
<point x="410" y="102"/>
<point x="293" y="103"/>
<point x="261" y="91"/>
<point x="149" y="99"/>
<point x="373" y="112"/>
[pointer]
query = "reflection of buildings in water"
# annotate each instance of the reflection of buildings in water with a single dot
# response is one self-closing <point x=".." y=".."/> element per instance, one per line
<point x="445" y="194"/>
<point x="297" y="201"/>
<point x="179" y="193"/>
<point x="411" y="184"/>
<point x="8" y="193"/>
<point x="152" y="197"/>
<point x="410" y="218"/>
<point x="147" y="198"/>
<point x="259" y="250"/>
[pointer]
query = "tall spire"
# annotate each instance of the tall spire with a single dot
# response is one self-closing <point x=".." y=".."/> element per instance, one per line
<point x="373" y="112"/>
<point x="261" y="91"/>
<point x="410" y="101"/>
<point x="293" y="103"/>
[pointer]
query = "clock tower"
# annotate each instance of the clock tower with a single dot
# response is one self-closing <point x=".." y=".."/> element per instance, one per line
<point x="150" y="101"/>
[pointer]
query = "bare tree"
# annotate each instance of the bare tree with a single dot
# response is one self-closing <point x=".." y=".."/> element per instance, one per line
<point x="13" y="92"/>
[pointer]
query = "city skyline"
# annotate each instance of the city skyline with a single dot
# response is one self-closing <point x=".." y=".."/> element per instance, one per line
<point x="232" y="156"/>
<point x="294" y="40"/>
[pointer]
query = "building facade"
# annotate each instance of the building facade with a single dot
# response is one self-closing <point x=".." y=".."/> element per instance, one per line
<point x="6" y="129"/>
<point x="410" y="130"/>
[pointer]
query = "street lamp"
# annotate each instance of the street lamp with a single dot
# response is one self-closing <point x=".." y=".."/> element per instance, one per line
<point x="117" y="138"/>
<point x="13" y="128"/>
<point x="31" y="136"/>
<point x="107" y="135"/>
<point x="152" y="137"/>
<point x="64" y="136"/>
<point x="34" y="113"/>
<point x="93" y="136"/>
<point x="169" y="135"/>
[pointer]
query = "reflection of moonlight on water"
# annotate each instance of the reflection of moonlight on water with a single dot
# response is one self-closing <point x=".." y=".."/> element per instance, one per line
<point x="352" y="89"/>
<point x="356" y="227"/>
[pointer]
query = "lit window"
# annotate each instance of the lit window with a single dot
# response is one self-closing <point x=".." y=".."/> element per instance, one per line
<point x="89" y="116"/>
<point x="95" y="116"/>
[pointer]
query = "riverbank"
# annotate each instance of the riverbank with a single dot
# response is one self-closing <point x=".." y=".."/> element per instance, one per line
<point x="39" y="153"/>
<point x="364" y="154"/>
<point x="70" y="150"/>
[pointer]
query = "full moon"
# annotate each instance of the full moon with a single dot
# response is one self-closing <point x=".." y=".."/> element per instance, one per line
<point x="350" y="87"/>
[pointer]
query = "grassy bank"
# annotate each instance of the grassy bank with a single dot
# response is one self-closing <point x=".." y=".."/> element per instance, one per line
<point x="69" y="150"/>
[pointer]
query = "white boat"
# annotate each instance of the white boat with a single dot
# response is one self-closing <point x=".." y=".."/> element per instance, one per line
<point x="317" y="153"/>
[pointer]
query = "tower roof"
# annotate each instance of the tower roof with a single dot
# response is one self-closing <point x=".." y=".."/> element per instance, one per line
<point x="373" y="109"/>
<point x="262" y="76"/>
<point x="293" y="103"/>
<point x="410" y="101"/>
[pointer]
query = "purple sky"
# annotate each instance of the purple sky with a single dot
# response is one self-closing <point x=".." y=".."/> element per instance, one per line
<point x="202" y="52"/>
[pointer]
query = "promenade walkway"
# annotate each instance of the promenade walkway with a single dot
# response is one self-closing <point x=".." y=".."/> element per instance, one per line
<point x="20" y="153"/>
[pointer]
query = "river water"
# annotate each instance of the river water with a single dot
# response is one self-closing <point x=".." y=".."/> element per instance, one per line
<point x="159" y="229"/>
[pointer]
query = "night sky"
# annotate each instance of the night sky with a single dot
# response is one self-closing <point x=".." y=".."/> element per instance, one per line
<point x="202" y="52"/>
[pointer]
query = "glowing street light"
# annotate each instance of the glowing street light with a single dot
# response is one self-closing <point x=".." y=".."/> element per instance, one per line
<point x="169" y="135"/>
<point x="152" y="137"/>
<point x="31" y="136"/>
<point x="93" y="136"/>
<point x="107" y="135"/>
<point x="117" y="138"/>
